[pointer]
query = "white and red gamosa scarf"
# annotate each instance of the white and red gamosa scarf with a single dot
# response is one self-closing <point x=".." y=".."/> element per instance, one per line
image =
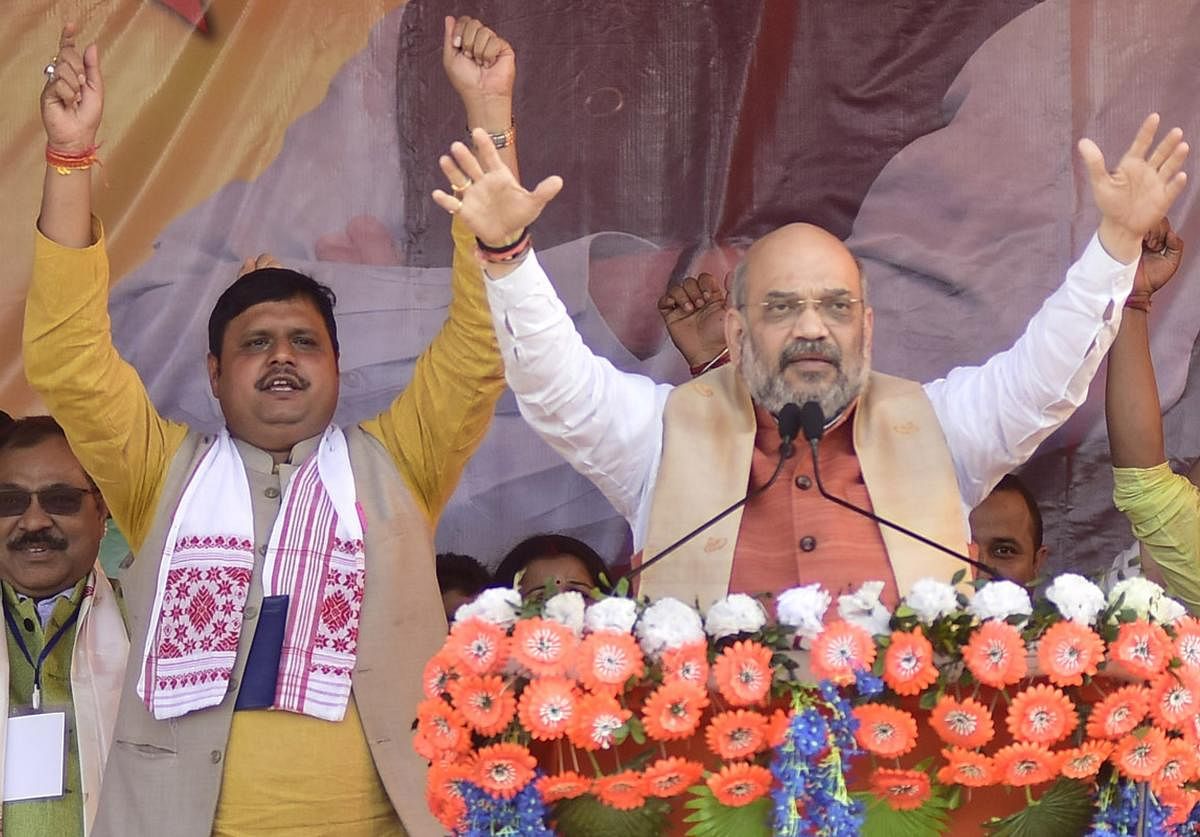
<point x="315" y="557"/>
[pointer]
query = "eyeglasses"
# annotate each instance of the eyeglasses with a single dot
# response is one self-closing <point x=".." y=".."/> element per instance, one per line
<point x="59" y="499"/>
<point x="833" y="309"/>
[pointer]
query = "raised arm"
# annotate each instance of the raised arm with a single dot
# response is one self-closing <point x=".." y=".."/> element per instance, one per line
<point x="996" y="415"/>
<point x="69" y="356"/>
<point x="437" y="422"/>
<point x="605" y="423"/>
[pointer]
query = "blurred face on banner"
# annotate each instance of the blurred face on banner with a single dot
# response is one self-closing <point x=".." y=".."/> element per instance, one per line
<point x="277" y="375"/>
<point x="799" y="328"/>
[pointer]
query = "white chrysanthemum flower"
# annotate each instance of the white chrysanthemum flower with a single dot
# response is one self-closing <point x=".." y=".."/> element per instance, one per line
<point x="1076" y="598"/>
<point x="611" y="614"/>
<point x="803" y="609"/>
<point x="735" y="614"/>
<point x="1166" y="610"/>
<point x="498" y="605"/>
<point x="864" y="609"/>
<point x="566" y="609"/>
<point x="930" y="600"/>
<point x="668" y="624"/>
<point x="1000" y="600"/>
<point x="1140" y="594"/>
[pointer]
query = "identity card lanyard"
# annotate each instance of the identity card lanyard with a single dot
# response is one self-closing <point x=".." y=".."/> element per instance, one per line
<point x="46" y="649"/>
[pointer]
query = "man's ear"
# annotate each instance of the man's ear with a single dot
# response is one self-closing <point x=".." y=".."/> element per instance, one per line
<point x="214" y="372"/>
<point x="735" y="330"/>
<point x="1039" y="559"/>
<point x="868" y="329"/>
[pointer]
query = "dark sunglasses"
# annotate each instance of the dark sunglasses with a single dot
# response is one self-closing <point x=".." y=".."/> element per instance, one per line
<point x="60" y="499"/>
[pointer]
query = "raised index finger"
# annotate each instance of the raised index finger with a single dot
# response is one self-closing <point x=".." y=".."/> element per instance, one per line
<point x="69" y="31"/>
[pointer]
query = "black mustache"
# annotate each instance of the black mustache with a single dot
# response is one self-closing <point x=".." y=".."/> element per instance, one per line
<point x="809" y="348"/>
<point x="30" y="539"/>
<point x="288" y="375"/>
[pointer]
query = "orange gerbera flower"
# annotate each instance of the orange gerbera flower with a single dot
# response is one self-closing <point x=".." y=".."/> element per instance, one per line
<point x="1118" y="713"/>
<point x="1173" y="702"/>
<point x="743" y="672"/>
<point x="1024" y="764"/>
<point x="543" y="647"/>
<point x="548" y="707"/>
<point x="672" y="711"/>
<point x="607" y="659"/>
<point x="671" y="776"/>
<point x="1144" y="649"/>
<point x="963" y="723"/>
<point x="737" y="734"/>
<point x="503" y="770"/>
<point x="908" y="663"/>
<point x="485" y="702"/>
<point x="624" y="791"/>
<point x="688" y="663"/>
<point x="1180" y="766"/>
<point x="885" y="730"/>
<point x="903" y="790"/>
<point x="478" y="646"/>
<point x="1187" y="644"/>
<point x="995" y="654"/>
<point x="740" y="783"/>
<point x="597" y="719"/>
<point x="777" y="728"/>
<point x="566" y="785"/>
<point x="1084" y="761"/>
<point x="1068" y="652"/>
<point x="442" y="726"/>
<point x="841" y="649"/>
<point x="1141" y="756"/>
<point x="443" y="794"/>
<point x="437" y="675"/>
<point x="1180" y="802"/>
<point x="1042" y="714"/>
<point x="966" y="768"/>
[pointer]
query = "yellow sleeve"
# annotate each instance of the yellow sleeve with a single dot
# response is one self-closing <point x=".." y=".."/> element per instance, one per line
<point x="1164" y="509"/>
<point x="438" y="421"/>
<point x="98" y="398"/>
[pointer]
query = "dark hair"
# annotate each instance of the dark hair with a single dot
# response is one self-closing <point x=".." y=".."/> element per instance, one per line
<point x="1011" y="482"/>
<point x="462" y="573"/>
<point x="5" y="419"/>
<point x="269" y="284"/>
<point x="545" y="546"/>
<point x="29" y="431"/>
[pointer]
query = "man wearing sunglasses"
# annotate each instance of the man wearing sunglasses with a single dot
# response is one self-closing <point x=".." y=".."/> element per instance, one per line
<point x="66" y="642"/>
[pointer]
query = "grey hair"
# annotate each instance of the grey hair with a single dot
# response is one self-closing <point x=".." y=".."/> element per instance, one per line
<point x="737" y="282"/>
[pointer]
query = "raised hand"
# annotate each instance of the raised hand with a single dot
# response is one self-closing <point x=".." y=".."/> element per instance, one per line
<point x="479" y="63"/>
<point x="1135" y="195"/>
<point x="253" y="263"/>
<point x="1162" y="251"/>
<point x="694" y="313"/>
<point x="73" y="98"/>
<point x="491" y="202"/>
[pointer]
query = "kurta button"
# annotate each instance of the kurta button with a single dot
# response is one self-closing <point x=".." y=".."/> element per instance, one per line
<point x="215" y="756"/>
<point x="233" y="684"/>
<point x="28" y="623"/>
<point x="808" y="543"/>
<point x="803" y="482"/>
<point x="250" y="612"/>
<point x="262" y="550"/>
<point x="271" y="493"/>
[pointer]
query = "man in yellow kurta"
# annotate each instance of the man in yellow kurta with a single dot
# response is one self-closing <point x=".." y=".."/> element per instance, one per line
<point x="217" y="615"/>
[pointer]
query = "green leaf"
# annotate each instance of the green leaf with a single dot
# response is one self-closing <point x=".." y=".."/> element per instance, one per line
<point x="929" y="699"/>
<point x="712" y="819"/>
<point x="636" y="730"/>
<point x="958" y="577"/>
<point x="1065" y="808"/>
<point x="881" y="820"/>
<point x="587" y="816"/>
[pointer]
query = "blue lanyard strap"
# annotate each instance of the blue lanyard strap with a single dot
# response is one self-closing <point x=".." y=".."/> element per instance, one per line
<point x="46" y="649"/>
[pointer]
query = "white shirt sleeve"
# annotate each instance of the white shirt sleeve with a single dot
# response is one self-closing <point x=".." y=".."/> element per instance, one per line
<point x="994" y="416"/>
<point x="606" y="423"/>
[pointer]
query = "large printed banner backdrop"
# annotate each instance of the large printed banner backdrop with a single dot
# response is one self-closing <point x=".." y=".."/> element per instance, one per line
<point x="936" y="135"/>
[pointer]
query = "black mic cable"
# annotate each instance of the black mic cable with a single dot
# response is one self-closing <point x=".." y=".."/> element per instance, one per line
<point x="789" y="427"/>
<point x="812" y="420"/>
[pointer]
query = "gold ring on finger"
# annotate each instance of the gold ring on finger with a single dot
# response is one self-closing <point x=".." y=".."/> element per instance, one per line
<point x="456" y="209"/>
<point x="458" y="190"/>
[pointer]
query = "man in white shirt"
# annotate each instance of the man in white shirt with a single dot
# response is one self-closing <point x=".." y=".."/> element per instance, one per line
<point x="799" y="330"/>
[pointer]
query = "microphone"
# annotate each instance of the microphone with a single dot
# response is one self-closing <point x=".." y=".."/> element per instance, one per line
<point x="812" y="421"/>
<point x="789" y="423"/>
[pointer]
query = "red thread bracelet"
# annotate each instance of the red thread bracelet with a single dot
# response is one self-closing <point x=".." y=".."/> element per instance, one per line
<point x="67" y="163"/>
